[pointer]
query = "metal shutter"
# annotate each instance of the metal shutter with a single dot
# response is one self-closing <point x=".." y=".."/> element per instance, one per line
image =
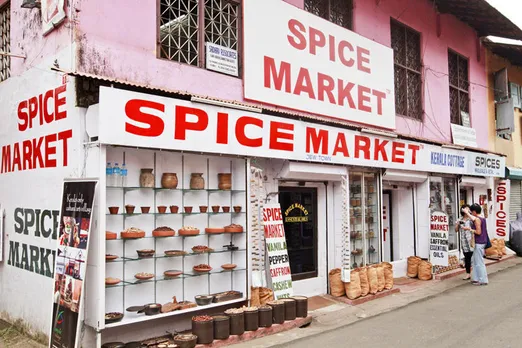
<point x="515" y="199"/>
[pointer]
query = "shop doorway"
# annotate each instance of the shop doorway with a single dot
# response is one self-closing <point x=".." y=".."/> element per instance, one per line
<point x="305" y="219"/>
<point x="398" y="222"/>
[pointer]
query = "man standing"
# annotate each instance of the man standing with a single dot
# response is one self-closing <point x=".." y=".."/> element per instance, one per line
<point x="479" y="275"/>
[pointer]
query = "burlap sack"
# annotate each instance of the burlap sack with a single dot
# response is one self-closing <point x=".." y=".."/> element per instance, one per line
<point x="494" y="250"/>
<point x="353" y="288"/>
<point x="413" y="266"/>
<point x="380" y="278"/>
<point x="254" y="297"/>
<point x="363" y="277"/>
<point x="502" y="246"/>
<point x="388" y="275"/>
<point x="425" y="270"/>
<point x="265" y="295"/>
<point x="336" y="285"/>
<point x="372" y="279"/>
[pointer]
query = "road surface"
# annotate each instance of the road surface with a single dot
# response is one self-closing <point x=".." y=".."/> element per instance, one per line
<point x="467" y="316"/>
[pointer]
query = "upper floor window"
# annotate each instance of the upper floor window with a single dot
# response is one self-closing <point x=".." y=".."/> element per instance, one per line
<point x="408" y="70"/>
<point x="458" y="86"/>
<point x="185" y="27"/>
<point x="335" y="11"/>
<point x="5" y="42"/>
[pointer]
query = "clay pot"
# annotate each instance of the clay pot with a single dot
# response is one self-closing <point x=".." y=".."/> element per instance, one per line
<point x="146" y="177"/>
<point x="162" y="209"/>
<point x="188" y="210"/>
<point x="225" y="181"/>
<point x="169" y="180"/>
<point x="237" y="209"/>
<point x="203" y="208"/>
<point x="290" y="308"/>
<point x="215" y="208"/>
<point x="226" y="209"/>
<point x="221" y="327"/>
<point x="204" y="330"/>
<point x="278" y="312"/>
<point x="251" y="320"/>
<point x="301" y="306"/>
<point x="196" y="181"/>
<point x="265" y="316"/>
<point x="129" y="209"/>
<point x="114" y="210"/>
<point x="237" y="323"/>
<point x="174" y="209"/>
<point x="145" y="210"/>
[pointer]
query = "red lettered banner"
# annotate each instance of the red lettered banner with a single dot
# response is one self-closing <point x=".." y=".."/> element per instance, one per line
<point x="277" y="252"/>
<point x="502" y="193"/>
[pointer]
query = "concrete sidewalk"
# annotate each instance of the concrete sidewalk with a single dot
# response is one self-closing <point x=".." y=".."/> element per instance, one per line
<point x="340" y="315"/>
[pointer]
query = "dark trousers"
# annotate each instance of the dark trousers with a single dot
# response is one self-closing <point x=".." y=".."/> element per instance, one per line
<point x="467" y="261"/>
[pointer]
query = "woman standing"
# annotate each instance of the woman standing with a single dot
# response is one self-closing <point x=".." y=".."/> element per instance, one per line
<point x="479" y="275"/>
<point x="464" y="228"/>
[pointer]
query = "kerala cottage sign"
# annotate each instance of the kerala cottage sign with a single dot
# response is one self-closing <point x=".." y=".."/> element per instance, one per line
<point x="316" y="66"/>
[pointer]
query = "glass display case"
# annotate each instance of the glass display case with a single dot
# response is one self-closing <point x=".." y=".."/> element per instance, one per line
<point x="364" y="219"/>
<point x="443" y="198"/>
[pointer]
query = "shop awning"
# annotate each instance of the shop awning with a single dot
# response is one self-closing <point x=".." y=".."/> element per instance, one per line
<point x="404" y="176"/>
<point x="481" y="16"/>
<point x="472" y="181"/>
<point x="514" y="173"/>
<point x="312" y="172"/>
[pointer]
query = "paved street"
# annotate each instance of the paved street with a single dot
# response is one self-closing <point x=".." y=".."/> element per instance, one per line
<point x="467" y="316"/>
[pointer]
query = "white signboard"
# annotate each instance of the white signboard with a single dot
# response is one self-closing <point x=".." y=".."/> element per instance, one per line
<point x="136" y="119"/>
<point x="439" y="229"/>
<point x="53" y="13"/>
<point x="277" y="252"/>
<point x="303" y="62"/>
<point x="501" y="209"/>
<point x="464" y="136"/>
<point x="222" y="59"/>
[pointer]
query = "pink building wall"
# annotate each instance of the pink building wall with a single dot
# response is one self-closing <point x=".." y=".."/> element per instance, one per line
<point x="118" y="39"/>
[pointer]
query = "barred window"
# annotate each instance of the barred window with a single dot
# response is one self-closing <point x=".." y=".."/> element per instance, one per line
<point x="458" y="86"/>
<point x="408" y="70"/>
<point x="5" y="43"/>
<point x="335" y="11"/>
<point x="186" y="25"/>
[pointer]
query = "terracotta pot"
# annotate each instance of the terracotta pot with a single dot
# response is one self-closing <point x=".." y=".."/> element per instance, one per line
<point x="174" y="209"/>
<point x="196" y="181"/>
<point x="162" y="209"/>
<point x="169" y="180"/>
<point x="188" y="210"/>
<point x="129" y="209"/>
<point x="146" y="177"/>
<point x="114" y="210"/>
<point x="226" y="209"/>
<point x="225" y="181"/>
<point x="145" y="210"/>
<point x="203" y="208"/>
<point x="237" y="209"/>
<point x="215" y="208"/>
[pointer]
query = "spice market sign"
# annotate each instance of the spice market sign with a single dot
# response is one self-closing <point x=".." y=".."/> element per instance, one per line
<point x="439" y="229"/>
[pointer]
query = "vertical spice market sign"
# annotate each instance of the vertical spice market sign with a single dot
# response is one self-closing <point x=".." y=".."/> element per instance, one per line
<point x="71" y="261"/>
<point x="277" y="252"/>
<point x="439" y="229"/>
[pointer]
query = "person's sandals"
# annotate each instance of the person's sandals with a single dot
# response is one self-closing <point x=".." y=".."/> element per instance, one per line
<point x="467" y="277"/>
<point x="479" y="284"/>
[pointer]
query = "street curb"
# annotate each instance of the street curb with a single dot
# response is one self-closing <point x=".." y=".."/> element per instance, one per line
<point x="360" y="319"/>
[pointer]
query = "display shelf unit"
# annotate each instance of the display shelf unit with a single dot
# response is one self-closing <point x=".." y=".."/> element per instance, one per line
<point x="160" y="289"/>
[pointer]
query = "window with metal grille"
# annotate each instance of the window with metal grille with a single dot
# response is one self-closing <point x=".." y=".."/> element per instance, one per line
<point x="186" y="25"/>
<point x="458" y="86"/>
<point x="5" y="42"/>
<point x="408" y="70"/>
<point x="335" y="11"/>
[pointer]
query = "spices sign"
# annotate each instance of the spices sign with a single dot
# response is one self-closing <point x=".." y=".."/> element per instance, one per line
<point x="502" y="194"/>
<point x="275" y="241"/>
<point x="439" y="229"/>
<point x="314" y="65"/>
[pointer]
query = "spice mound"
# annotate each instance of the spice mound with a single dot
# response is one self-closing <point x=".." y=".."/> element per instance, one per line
<point x="163" y="231"/>
<point x="132" y="232"/>
<point x="201" y="318"/>
<point x="234" y="311"/>
<point x="201" y="249"/>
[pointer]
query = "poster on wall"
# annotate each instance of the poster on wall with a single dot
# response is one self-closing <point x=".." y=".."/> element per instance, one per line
<point x="501" y="210"/>
<point x="71" y="261"/>
<point x="439" y="230"/>
<point x="53" y="13"/>
<point x="221" y="59"/>
<point x="277" y="252"/>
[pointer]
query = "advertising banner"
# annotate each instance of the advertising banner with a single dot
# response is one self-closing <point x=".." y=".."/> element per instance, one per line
<point x="311" y="64"/>
<point x="136" y="119"/>
<point x="71" y="261"/>
<point x="277" y="252"/>
<point x="501" y="209"/>
<point x="439" y="230"/>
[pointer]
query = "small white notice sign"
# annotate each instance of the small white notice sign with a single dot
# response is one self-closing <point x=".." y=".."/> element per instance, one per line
<point x="464" y="136"/>
<point x="222" y="59"/>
